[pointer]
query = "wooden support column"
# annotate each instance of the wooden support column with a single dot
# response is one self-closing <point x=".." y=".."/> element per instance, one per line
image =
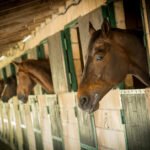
<point x="57" y="63"/>
<point x="146" y="20"/>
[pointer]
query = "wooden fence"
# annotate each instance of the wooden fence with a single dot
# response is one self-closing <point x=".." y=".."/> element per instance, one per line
<point x="56" y="122"/>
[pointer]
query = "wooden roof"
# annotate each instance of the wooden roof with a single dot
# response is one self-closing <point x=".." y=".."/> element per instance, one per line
<point x="18" y="18"/>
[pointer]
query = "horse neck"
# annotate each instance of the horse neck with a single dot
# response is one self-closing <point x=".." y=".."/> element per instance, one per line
<point x="132" y="45"/>
<point x="41" y="74"/>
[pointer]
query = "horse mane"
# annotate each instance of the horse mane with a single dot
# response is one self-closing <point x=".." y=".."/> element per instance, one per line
<point x="136" y="32"/>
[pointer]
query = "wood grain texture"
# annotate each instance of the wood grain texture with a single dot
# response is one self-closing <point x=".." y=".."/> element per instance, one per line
<point x="56" y="57"/>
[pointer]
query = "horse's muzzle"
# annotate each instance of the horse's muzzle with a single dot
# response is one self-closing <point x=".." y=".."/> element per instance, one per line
<point x="89" y="104"/>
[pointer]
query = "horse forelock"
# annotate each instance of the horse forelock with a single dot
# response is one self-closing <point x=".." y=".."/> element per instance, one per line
<point x="93" y="38"/>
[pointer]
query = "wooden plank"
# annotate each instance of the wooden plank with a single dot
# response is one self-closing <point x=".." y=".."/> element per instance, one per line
<point x="36" y="122"/>
<point x="119" y="14"/>
<point x="18" y="127"/>
<point x="56" y="124"/>
<point x="69" y="121"/>
<point x="46" y="49"/>
<point x="7" y="121"/>
<point x="8" y="71"/>
<point x="71" y="144"/>
<point x="109" y="119"/>
<point x="111" y="101"/>
<point x="147" y="29"/>
<point x="13" y="139"/>
<point x="30" y="131"/>
<point x="45" y="123"/>
<point x="137" y="120"/>
<point x="56" y="56"/>
<point x="23" y="126"/>
<point x="1" y="120"/>
<point x="95" y="17"/>
<point x="114" y="140"/>
<point x="32" y="54"/>
<point x="147" y="97"/>
<point x="78" y="70"/>
<point x="99" y="3"/>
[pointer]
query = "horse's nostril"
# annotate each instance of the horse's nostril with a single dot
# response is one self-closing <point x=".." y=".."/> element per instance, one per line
<point x="83" y="100"/>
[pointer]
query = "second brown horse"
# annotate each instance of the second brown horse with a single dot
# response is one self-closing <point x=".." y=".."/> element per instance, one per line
<point x="31" y="72"/>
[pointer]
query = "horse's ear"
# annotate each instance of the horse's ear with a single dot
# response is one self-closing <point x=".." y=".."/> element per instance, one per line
<point x="16" y="63"/>
<point x="105" y="28"/>
<point x="91" y="28"/>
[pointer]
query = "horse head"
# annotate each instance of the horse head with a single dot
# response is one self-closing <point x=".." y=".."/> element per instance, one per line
<point x="25" y="83"/>
<point x="31" y="72"/>
<point x="112" y="54"/>
<point x="9" y="89"/>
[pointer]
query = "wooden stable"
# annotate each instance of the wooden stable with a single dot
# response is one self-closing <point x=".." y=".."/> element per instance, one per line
<point x="54" y="122"/>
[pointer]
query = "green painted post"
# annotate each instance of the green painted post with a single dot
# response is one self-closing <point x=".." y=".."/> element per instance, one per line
<point x="40" y="51"/>
<point x="64" y="45"/>
<point x="13" y="69"/>
<point x="70" y="68"/>
<point x="24" y="57"/>
<point x="70" y="59"/>
<point x="4" y="73"/>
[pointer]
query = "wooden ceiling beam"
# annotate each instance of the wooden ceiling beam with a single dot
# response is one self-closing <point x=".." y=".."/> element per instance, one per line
<point x="29" y="6"/>
<point x="26" y="13"/>
<point x="23" y="21"/>
<point x="19" y="33"/>
<point x="10" y="7"/>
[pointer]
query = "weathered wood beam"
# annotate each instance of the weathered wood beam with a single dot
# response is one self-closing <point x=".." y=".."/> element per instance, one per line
<point x="10" y="7"/>
<point x="30" y="5"/>
<point x="19" y="33"/>
<point x="24" y="15"/>
<point x="25" y="20"/>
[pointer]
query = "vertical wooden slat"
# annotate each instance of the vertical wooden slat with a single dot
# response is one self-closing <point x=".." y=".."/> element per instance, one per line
<point x="69" y="121"/>
<point x="136" y="119"/>
<point x="45" y="123"/>
<point x="18" y="128"/>
<point x="29" y="126"/>
<point x="147" y="30"/>
<point x="56" y="56"/>
<point x="34" y="106"/>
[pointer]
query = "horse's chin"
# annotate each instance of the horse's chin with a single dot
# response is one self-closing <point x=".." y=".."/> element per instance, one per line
<point x="23" y="99"/>
<point x="93" y="108"/>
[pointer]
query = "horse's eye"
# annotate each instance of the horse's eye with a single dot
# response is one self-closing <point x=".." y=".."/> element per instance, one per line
<point x="99" y="57"/>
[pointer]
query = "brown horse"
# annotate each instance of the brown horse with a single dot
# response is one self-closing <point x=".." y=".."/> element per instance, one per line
<point x="31" y="72"/>
<point x="112" y="54"/>
<point x="9" y="89"/>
